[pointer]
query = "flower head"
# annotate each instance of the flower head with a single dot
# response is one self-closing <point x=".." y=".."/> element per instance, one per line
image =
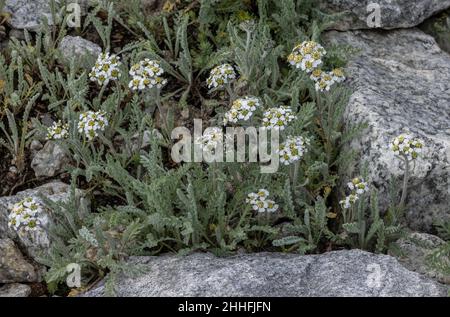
<point x="211" y="138"/>
<point x="57" y="131"/>
<point x="349" y="201"/>
<point x="24" y="215"/>
<point x="90" y="123"/>
<point x="277" y="118"/>
<point x="307" y="56"/>
<point x="220" y="76"/>
<point x="325" y="82"/>
<point x="338" y="75"/>
<point x="293" y="149"/>
<point x="106" y="68"/>
<point x="407" y="146"/>
<point x="242" y="109"/>
<point x="260" y="203"/>
<point x="146" y="75"/>
<point x="358" y="185"/>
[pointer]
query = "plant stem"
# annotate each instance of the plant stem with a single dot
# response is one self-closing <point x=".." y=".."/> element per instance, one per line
<point x="163" y="117"/>
<point x="405" y="184"/>
<point x="295" y="175"/>
<point x="230" y="93"/>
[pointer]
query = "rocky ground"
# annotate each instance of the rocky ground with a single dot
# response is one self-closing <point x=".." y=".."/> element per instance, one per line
<point x="400" y="79"/>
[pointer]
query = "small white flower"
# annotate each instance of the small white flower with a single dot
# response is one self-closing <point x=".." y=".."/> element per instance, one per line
<point x="106" y="69"/>
<point x="260" y="203"/>
<point x="271" y="206"/>
<point x="293" y="149"/>
<point x="358" y="186"/>
<point x="220" y="76"/>
<point x="211" y="138"/>
<point x="146" y="75"/>
<point x="90" y="123"/>
<point x="277" y="118"/>
<point x="242" y="109"/>
<point x="407" y="146"/>
<point x="57" y="131"/>
<point x="316" y="75"/>
<point x="24" y="215"/>
<point x="349" y="201"/>
<point x="338" y="75"/>
<point x="325" y="82"/>
<point x="307" y="56"/>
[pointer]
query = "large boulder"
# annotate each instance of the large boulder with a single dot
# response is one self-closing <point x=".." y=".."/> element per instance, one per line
<point x="14" y="268"/>
<point x="401" y="83"/>
<point x="35" y="242"/>
<point x="393" y="14"/>
<point x="341" y="273"/>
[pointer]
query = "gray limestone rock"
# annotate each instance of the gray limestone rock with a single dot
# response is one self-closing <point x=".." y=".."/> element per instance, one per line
<point x="341" y="273"/>
<point x="83" y="51"/>
<point x="393" y="14"/>
<point x="29" y="14"/>
<point x="50" y="160"/>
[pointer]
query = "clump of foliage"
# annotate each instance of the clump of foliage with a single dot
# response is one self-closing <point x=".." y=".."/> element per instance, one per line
<point x="143" y="202"/>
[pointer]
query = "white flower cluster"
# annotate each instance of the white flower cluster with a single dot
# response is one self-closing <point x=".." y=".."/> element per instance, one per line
<point x="358" y="187"/>
<point x="324" y="80"/>
<point x="88" y="236"/>
<point x="105" y="69"/>
<point x="260" y="203"/>
<point x="407" y="146"/>
<point x="307" y="56"/>
<point x="349" y="201"/>
<point x="147" y="74"/>
<point x="220" y="76"/>
<point x="91" y="123"/>
<point x="293" y="149"/>
<point x="242" y="109"/>
<point x="24" y="215"/>
<point x="277" y="118"/>
<point x="211" y="138"/>
<point x="58" y="131"/>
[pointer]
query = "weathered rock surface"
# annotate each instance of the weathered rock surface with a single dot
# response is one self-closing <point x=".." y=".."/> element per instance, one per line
<point x="26" y="14"/>
<point x="342" y="273"/>
<point x="37" y="241"/>
<point x="80" y="49"/>
<point x="50" y="160"/>
<point x="414" y="252"/>
<point x="401" y="83"/>
<point x="15" y="290"/>
<point x="13" y="266"/>
<point x="394" y="14"/>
